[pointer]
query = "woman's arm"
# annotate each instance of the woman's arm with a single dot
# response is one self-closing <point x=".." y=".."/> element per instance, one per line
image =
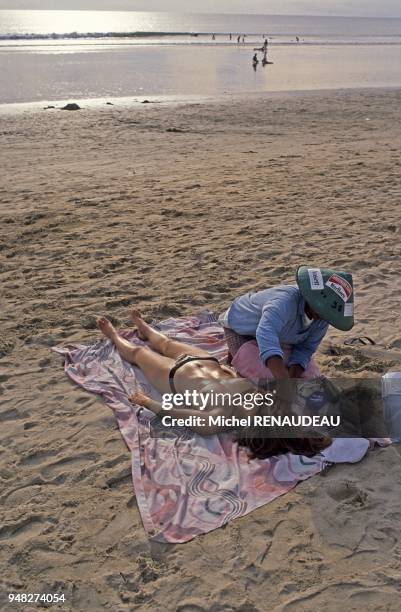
<point x="141" y="399"/>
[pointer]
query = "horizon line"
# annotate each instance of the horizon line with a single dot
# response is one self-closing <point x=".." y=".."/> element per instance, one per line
<point x="256" y="14"/>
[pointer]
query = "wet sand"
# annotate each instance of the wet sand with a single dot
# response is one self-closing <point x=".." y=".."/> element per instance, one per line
<point x="91" y="71"/>
<point x="175" y="209"/>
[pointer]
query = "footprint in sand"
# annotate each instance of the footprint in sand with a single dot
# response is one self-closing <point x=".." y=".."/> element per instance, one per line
<point x="66" y="465"/>
<point x="12" y="415"/>
<point x="38" y="457"/>
<point x="24" y="529"/>
<point x="347" y="493"/>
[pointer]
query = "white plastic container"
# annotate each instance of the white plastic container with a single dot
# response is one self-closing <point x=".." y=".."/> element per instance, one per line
<point x="391" y="393"/>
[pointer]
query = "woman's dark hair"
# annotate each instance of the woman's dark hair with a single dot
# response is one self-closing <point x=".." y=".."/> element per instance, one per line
<point x="262" y="448"/>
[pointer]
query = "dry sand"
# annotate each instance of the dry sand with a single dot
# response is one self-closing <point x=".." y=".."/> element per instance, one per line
<point x="101" y="209"/>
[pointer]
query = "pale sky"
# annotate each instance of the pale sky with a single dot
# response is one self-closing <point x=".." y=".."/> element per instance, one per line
<point x="362" y="8"/>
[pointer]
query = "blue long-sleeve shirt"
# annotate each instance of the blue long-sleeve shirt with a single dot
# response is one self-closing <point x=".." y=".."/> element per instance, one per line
<point x="275" y="317"/>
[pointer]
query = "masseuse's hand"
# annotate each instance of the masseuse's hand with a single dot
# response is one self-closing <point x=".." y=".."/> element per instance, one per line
<point x="277" y="367"/>
<point x="296" y="371"/>
<point x="283" y="387"/>
<point x="140" y="398"/>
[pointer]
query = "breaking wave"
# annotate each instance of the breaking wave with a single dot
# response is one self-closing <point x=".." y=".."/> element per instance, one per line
<point x="75" y="35"/>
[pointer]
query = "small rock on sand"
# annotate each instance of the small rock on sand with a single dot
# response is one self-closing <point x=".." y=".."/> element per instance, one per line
<point x="72" y="106"/>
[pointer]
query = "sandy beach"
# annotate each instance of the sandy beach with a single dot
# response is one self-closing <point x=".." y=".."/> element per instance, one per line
<point x="178" y="208"/>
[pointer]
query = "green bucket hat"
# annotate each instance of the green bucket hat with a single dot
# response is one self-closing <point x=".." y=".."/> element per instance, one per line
<point x="329" y="293"/>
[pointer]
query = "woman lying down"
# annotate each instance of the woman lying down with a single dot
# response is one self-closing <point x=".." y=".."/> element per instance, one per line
<point x="175" y="367"/>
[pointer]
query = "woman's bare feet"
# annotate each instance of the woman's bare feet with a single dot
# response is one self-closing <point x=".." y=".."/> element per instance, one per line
<point x="107" y="328"/>
<point x="142" y="327"/>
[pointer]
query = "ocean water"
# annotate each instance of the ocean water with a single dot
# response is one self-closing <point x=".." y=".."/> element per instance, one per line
<point x="59" y="55"/>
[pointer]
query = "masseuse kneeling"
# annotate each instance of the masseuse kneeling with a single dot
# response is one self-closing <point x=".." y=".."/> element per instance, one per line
<point x="296" y="315"/>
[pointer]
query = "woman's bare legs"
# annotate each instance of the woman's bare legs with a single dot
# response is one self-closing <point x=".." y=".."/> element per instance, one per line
<point x="156" y="367"/>
<point x="161" y="343"/>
